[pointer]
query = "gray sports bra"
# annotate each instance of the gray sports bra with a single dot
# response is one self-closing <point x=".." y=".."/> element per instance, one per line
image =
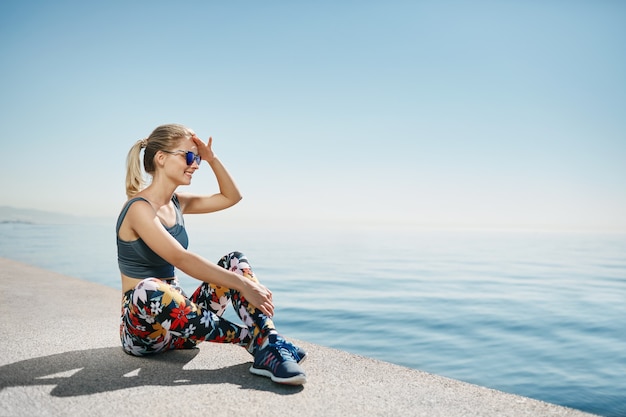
<point x="136" y="259"/>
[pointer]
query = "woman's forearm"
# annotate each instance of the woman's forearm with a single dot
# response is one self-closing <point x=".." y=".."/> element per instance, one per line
<point x="256" y="294"/>
<point x="226" y="183"/>
<point x="196" y="266"/>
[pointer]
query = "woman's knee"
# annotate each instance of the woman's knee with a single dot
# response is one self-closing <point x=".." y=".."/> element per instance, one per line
<point x="233" y="260"/>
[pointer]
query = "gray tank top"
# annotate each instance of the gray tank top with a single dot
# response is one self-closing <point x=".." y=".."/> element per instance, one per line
<point x="136" y="259"/>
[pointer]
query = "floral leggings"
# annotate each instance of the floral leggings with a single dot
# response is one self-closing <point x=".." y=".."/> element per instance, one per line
<point x="158" y="316"/>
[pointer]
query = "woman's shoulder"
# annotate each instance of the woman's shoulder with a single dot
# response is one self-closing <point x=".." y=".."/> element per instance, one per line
<point x="130" y="204"/>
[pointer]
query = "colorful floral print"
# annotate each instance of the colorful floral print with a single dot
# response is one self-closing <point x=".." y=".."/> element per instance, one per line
<point x="157" y="315"/>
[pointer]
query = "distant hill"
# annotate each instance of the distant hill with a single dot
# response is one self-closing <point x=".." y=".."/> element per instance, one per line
<point x="31" y="216"/>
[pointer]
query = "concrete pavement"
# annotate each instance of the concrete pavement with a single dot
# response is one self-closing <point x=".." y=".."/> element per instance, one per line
<point x="60" y="355"/>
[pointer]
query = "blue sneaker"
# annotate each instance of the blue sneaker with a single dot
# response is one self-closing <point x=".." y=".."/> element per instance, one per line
<point x="276" y="361"/>
<point x="297" y="352"/>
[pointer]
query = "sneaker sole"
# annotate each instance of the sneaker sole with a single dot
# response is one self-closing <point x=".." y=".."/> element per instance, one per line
<point x="299" y="379"/>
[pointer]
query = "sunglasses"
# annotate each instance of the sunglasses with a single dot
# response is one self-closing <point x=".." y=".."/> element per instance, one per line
<point x="189" y="156"/>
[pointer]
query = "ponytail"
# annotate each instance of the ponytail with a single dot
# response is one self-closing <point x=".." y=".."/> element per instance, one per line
<point x="162" y="138"/>
<point x="134" y="176"/>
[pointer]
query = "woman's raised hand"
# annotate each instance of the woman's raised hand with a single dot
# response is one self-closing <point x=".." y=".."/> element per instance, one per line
<point x="205" y="150"/>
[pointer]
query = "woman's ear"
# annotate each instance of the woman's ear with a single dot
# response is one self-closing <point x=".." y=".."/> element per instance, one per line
<point x="159" y="158"/>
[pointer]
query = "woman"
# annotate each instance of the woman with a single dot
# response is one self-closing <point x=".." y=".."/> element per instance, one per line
<point x="151" y="241"/>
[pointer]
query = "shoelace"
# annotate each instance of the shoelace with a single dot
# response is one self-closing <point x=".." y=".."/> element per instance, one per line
<point x="291" y="349"/>
<point x="284" y="352"/>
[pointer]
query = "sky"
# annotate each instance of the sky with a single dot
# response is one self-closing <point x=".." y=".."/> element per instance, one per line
<point x="462" y="114"/>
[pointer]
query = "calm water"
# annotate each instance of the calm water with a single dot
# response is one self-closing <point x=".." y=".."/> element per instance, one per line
<point x="537" y="314"/>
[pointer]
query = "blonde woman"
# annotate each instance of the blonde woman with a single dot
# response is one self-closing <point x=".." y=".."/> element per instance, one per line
<point x="157" y="315"/>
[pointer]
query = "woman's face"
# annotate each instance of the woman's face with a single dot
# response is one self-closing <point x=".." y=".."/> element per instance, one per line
<point x="176" y="161"/>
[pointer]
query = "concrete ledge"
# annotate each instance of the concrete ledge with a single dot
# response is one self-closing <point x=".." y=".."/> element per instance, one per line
<point x="61" y="356"/>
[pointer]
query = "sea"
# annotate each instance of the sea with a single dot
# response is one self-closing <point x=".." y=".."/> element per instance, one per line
<point x="539" y="314"/>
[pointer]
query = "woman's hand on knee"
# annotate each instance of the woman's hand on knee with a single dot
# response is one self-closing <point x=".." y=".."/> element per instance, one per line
<point x="259" y="296"/>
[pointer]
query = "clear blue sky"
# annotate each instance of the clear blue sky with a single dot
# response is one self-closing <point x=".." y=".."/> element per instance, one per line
<point x="416" y="113"/>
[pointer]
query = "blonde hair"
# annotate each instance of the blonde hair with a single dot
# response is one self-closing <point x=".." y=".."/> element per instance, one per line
<point x="164" y="137"/>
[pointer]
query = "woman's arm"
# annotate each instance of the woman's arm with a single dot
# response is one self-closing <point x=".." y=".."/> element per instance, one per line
<point x="145" y="223"/>
<point x="229" y="194"/>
